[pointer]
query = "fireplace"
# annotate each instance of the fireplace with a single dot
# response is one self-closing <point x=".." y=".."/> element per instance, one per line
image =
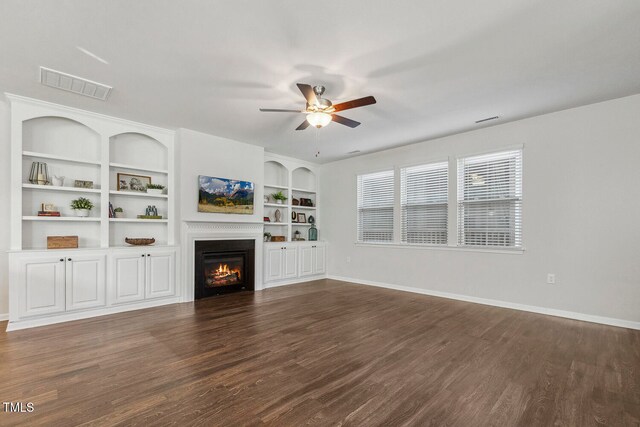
<point x="223" y="266"/>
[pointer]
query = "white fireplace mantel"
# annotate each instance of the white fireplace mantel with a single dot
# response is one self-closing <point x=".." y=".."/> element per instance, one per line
<point x="193" y="231"/>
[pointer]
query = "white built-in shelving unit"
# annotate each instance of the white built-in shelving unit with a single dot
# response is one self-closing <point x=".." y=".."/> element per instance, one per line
<point x="296" y="180"/>
<point x="81" y="145"/>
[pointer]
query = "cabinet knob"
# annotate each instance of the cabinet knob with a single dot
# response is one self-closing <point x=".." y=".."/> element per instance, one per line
<point x="148" y="254"/>
<point x="68" y="259"/>
<point x="61" y="259"/>
<point x="143" y="255"/>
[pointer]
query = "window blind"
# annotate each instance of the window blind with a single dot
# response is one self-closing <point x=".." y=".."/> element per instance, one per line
<point x="424" y="203"/>
<point x="375" y="207"/>
<point x="490" y="200"/>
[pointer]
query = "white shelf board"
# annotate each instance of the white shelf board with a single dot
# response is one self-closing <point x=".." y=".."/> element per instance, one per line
<point x="305" y="207"/>
<point x="279" y="187"/>
<point x="302" y="190"/>
<point x="138" y="194"/>
<point x="301" y="224"/>
<point x="57" y="188"/>
<point x="61" y="158"/>
<point x="164" y="220"/>
<point x="279" y="224"/>
<point x="136" y="168"/>
<point x="276" y="205"/>
<point x="61" y="218"/>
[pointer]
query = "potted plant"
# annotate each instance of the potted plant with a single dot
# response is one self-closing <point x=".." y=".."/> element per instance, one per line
<point x="155" y="188"/>
<point x="119" y="212"/>
<point x="279" y="197"/>
<point x="82" y="206"/>
<point x="267" y="237"/>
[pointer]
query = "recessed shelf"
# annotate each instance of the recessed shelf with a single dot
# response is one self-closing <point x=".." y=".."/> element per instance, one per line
<point x="58" y="188"/>
<point x="302" y="190"/>
<point x="136" y="168"/>
<point x="61" y="158"/>
<point x="302" y="224"/>
<point x="138" y="194"/>
<point x="279" y="187"/>
<point x="276" y="205"/>
<point x="305" y="207"/>
<point x="61" y="218"/>
<point x="164" y="220"/>
<point x="279" y="224"/>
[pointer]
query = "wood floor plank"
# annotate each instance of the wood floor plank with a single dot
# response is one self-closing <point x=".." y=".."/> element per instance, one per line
<point x="323" y="353"/>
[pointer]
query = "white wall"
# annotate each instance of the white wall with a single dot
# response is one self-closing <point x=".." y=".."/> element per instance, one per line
<point x="5" y="148"/>
<point x="581" y="217"/>
<point x="203" y="154"/>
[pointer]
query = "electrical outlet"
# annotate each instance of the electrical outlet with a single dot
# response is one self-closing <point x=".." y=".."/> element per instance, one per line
<point x="551" y="279"/>
<point x="348" y="259"/>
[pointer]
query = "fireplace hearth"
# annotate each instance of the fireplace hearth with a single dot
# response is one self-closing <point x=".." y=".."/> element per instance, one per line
<point x="223" y="266"/>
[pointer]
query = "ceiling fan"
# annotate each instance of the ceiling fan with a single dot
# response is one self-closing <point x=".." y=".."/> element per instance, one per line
<point x="320" y="111"/>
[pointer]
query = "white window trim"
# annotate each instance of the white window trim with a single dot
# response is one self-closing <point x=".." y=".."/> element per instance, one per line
<point x="452" y="231"/>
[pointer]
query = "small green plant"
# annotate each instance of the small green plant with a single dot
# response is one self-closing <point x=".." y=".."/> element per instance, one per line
<point x="155" y="187"/>
<point x="118" y="210"/>
<point x="279" y="196"/>
<point x="81" y="203"/>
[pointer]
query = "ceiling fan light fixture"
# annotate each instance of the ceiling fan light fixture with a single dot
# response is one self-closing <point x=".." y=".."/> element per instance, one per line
<point x="319" y="119"/>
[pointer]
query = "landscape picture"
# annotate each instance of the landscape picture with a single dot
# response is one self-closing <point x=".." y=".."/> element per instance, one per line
<point x="227" y="196"/>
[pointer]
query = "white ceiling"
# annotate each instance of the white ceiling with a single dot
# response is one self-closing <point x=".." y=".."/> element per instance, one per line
<point x="435" y="66"/>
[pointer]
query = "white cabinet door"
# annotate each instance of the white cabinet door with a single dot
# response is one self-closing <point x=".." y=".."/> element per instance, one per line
<point x="273" y="263"/>
<point x="320" y="259"/>
<point x="85" y="281"/>
<point x="290" y="268"/>
<point x="161" y="276"/>
<point x="306" y="261"/>
<point x="128" y="277"/>
<point x="41" y="282"/>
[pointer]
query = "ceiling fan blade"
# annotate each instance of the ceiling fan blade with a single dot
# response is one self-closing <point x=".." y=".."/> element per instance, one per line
<point x="344" y="121"/>
<point x="367" y="100"/>
<point x="277" y="110"/>
<point x="308" y="93"/>
<point x="303" y="125"/>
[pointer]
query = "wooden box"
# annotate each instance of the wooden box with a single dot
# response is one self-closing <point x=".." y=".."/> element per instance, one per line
<point x="62" y="242"/>
<point x="278" y="238"/>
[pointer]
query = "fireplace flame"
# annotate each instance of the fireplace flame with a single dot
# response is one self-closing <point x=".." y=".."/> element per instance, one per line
<point x="224" y="271"/>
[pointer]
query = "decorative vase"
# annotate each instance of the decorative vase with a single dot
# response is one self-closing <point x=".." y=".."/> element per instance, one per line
<point x="279" y="201"/>
<point x="154" y="191"/>
<point x="119" y="214"/>
<point x="58" y="181"/>
<point x="278" y="215"/>
<point x="313" y="233"/>
<point x="82" y="212"/>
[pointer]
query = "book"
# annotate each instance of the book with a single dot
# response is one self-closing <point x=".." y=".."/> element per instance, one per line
<point x="48" y="213"/>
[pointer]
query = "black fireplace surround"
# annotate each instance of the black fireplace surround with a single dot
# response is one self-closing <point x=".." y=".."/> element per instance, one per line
<point x="223" y="266"/>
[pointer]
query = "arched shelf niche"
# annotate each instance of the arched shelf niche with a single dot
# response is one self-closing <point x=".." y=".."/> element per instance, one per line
<point x="275" y="174"/>
<point x="303" y="179"/>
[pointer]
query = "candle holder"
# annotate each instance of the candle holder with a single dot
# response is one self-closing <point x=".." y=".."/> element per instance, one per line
<point x="39" y="173"/>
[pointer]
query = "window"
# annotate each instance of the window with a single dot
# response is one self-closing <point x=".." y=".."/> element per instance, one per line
<point x="375" y="207"/>
<point x="490" y="200"/>
<point x="424" y="202"/>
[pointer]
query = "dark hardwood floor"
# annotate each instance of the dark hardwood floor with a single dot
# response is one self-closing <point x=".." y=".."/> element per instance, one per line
<point x="323" y="353"/>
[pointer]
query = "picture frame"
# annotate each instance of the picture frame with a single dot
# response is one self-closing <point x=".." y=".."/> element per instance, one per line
<point x="48" y="207"/>
<point x="131" y="182"/>
<point x="306" y="202"/>
<point x="294" y="217"/>
<point x="225" y="196"/>
<point x="78" y="183"/>
<point x="302" y="218"/>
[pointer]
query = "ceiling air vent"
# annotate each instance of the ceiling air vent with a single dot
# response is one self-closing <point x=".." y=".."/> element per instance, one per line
<point x="64" y="81"/>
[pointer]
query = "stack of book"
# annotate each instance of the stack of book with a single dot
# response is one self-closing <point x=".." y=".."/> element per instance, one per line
<point x="48" y="213"/>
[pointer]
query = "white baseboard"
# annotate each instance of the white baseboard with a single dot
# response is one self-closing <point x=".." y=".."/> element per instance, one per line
<point x="4" y="316"/>
<point x="292" y="281"/>
<point x="68" y="317"/>
<point x="497" y="303"/>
